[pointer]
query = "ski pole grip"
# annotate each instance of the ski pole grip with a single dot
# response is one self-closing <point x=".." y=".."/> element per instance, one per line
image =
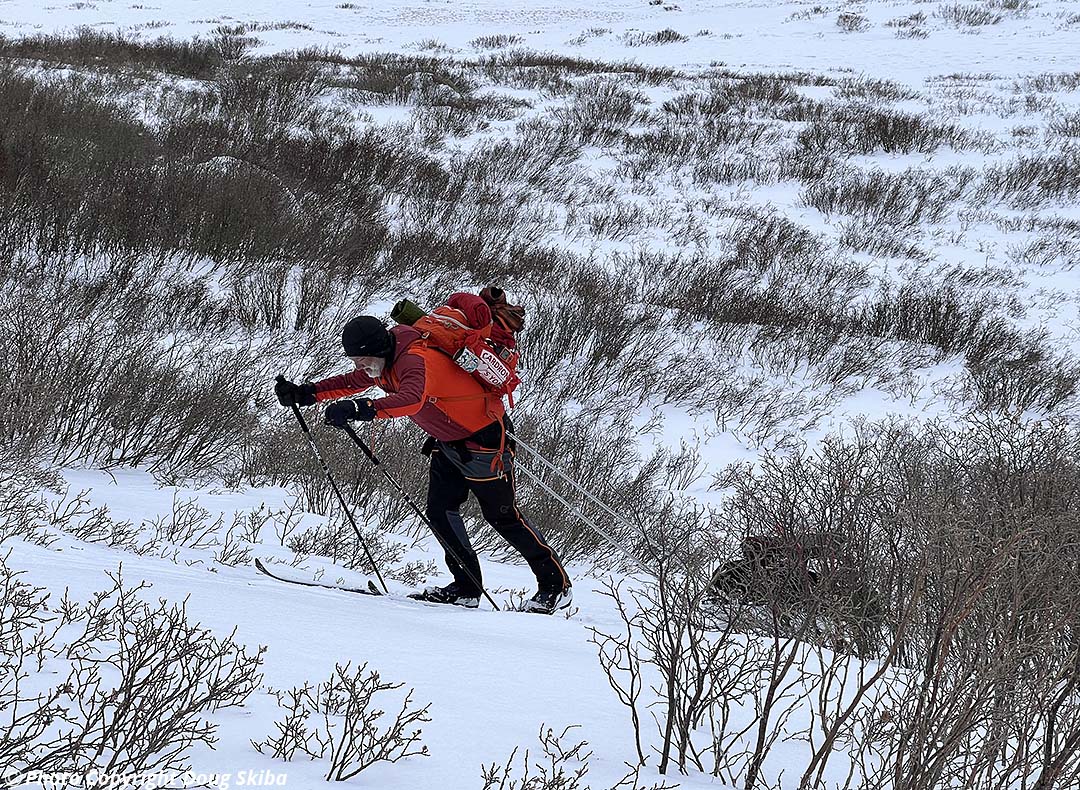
<point x="362" y="445"/>
<point x="296" y="409"/>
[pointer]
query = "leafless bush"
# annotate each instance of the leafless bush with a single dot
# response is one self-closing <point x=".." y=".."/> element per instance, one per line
<point x="138" y="680"/>
<point x="851" y="130"/>
<point x="1013" y="371"/>
<point x="600" y="109"/>
<point x="1052" y="81"/>
<point x="1067" y="125"/>
<point x="24" y="511"/>
<point x="936" y="564"/>
<point x="869" y="88"/>
<point x="231" y="43"/>
<point x="882" y="240"/>
<point x="188" y="524"/>
<point x="74" y="515"/>
<point x="174" y="408"/>
<point x="665" y="36"/>
<point x="969" y="15"/>
<point x="401" y="79"/>
<point x="259" y="97"/>
<point x="850" y="22"/>
<point x="910" y="26"/>
<point x="87" y="46"/>
<point x="233" y="551"/>
<point x="943" y="316"/>
<point x="495" y="41"/>
<point x="552" y="72"/>
<point x="704" y="672"/>
<point x="903" y="200"/>
<point x="684" y="141"/>
<point x="338" y="542"/>
<point x="336" y="721"/>
<point x="1030" y="181"/>
<point x="563" y="767"/>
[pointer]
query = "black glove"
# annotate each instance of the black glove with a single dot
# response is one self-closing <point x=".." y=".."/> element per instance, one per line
<point x="340" y="412"/>
<point x="289" y="393"/>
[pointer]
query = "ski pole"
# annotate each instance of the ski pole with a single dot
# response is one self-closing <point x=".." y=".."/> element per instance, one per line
<point x="416" y="508"/>
<point x="333" y="484"/>
<point x="588" y="495"/>
<point x="585" y="519"/>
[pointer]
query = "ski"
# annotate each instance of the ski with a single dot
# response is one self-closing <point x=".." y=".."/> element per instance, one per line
<point x="371" y="589"/>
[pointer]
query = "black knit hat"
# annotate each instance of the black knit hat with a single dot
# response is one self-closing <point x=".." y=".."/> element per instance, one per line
<point x="366" y="336"/>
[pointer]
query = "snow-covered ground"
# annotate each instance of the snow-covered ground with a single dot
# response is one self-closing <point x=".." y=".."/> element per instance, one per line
<point x="760" y="35"/>
<point x="494" y="678"/>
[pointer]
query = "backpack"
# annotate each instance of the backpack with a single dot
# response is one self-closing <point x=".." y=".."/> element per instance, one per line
<point x="477" y="332"/>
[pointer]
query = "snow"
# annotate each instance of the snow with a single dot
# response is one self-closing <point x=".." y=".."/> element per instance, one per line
<point x="758" y="35"/>
<point x="494" y="678"/>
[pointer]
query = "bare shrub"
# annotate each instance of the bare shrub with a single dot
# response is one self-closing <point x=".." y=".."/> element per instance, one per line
<point x="337" y="721"/>
<point x="1067" y="125"/>
<point x="24" y="511"/>
<point x="1015" y="371"/>
<point x="704" y="670"/>
<point x="944" y="316"/>
<point x="259" y="97"/>
<point x="863" y="131"/>
<point x="869" y="88"/>
<point x="338" y="542"/>
<point x="665" y="36"/>
<point x="882" y="240"/>
<point x="850" y="22"/>
<point x="1051" y="81"/>
<point x="394" y="77"/>
<point x="1010" y="369"/>
<point x="1030" y="181"/>
<point x="87" y="46"/>
<point x="902" y="200"/>
<point x="231" y="42"/>
<point x="563" y="766"/>
<point x="188" y="524"/>
<point x="137" y="681"/>
<point x="601" y="108"/>
<point x="495" y="41"/>
<point x="936" y="565"/>
<point x="963" y="15"/>
<point x="157" y="400"/>
<point x="521" y="68"/>
<point x="910" y="26"/>
<point x="73" y="515"/>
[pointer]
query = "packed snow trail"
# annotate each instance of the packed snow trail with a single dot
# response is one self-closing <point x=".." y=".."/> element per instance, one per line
<point x="492" y="679"/>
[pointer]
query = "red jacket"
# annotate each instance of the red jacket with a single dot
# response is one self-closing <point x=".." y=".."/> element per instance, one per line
<point x="425" y="385"/>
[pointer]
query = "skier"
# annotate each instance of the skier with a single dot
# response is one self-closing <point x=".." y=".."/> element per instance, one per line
<point x="467" y="439"/>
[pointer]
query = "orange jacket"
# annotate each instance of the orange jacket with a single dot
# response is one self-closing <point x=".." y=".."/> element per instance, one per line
<point x="425" y="385"/>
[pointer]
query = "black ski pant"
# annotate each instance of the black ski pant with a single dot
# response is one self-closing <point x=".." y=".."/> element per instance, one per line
<point x="453" y="475"/>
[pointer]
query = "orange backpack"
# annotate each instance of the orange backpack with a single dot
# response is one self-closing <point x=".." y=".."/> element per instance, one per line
<point x="462" y="328"/>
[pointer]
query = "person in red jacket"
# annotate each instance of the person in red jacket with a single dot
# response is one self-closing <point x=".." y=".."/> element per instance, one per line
<point x="467" y="428"/>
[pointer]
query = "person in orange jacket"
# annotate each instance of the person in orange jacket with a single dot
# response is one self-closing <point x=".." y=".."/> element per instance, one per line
<point x="466" y="426"/>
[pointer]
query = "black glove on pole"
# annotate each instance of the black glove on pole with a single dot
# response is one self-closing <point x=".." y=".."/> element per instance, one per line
<point x="333" y="484"/>
<point x="401" y="490"/>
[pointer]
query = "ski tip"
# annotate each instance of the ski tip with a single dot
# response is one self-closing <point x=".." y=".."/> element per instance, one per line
<point x="372" y="588"/>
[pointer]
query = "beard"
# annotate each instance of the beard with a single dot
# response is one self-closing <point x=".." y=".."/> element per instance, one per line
<point x="374" y="369"/>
